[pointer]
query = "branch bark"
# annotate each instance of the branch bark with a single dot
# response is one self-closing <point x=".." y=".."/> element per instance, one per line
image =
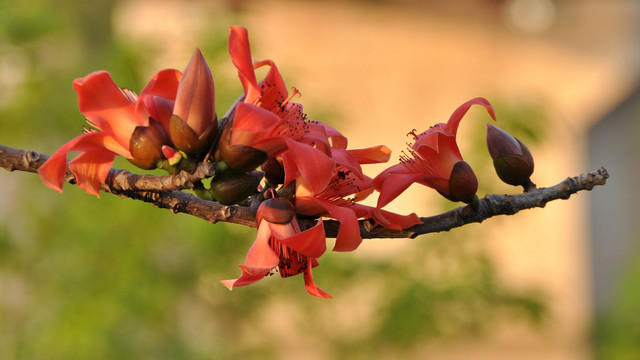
<point x="164" y="192"/>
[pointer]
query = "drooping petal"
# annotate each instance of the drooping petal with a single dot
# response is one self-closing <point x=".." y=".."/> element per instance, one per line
<point x="260" y="254"/>
<point x="454" y="120"/>
<point x="52" y="172"/>
<point x="91" y="169"/>
<point x="348" y="238"/>
<point x="106" y="106"/>
<point x="261" y="259"/>
<point x="311" y="286"/>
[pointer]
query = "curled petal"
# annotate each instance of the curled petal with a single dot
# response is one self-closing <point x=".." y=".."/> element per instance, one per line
<point x="454" y="120"/>
<point x="311" y="286"/>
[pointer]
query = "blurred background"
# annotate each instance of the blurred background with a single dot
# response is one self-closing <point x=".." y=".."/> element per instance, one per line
<point x="103" y="278"/>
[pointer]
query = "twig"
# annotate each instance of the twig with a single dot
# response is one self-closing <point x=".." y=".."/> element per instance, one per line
<point x="163" y="192"/>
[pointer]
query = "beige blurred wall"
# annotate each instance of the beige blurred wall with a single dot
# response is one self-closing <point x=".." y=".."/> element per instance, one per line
<point x="387" y="69"/>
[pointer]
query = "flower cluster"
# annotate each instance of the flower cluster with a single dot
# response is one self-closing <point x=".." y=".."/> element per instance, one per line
<point x="266" y="148"/>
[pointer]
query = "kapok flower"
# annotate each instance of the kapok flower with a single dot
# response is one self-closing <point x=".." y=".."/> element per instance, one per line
<point x="269" y="121"/>
<point x="121" y="126"/>
<point x="194" y="122"/>
<point x="347" y="187"/>
<point x="433" y="160"/>
<point x="281" y="246"/>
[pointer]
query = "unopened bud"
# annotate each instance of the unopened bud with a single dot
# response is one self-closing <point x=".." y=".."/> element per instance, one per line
<point x="146" y="145"/>
<point x="511" y="158"/>
<point x="233" y="186"/>
<point x="194" y="123"/>
<point x="276" y="210"/>
<point x="173" y="156"/>
<point x="185" y="139"/>
<point x="463" y="183"/>
<point x="274" y="171"/>
<point x="240" y="157"/>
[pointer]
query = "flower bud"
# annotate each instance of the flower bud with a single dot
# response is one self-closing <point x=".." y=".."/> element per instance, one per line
<point x="511" y="158"/>
<point x="274" y="171"/>
<point x="146" y="144"/>
<point x="276" y="210"/>
<point x="240" y="157"/>
<point x="173" y="156"/>
<point x="463" y="183"/>
<point x="233" y="186"/>
<point x="194" y="123"/>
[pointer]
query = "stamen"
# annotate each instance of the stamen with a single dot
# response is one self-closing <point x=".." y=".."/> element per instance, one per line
<point x="294" y="92"/>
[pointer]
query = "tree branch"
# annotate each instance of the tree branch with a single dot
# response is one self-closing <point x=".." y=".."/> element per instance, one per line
<point x="164" y="192"/>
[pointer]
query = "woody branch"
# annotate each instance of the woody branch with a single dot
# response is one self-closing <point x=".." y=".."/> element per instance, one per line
<point x="165" y="192"/>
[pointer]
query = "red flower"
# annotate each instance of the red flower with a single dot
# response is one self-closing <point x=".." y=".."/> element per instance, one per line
<point x="433" y="160"/>
<point x="281" y="244"/>
<point x="268" y="121"/>
<point x="118" y="115"/>
<point x="347" y="186"/>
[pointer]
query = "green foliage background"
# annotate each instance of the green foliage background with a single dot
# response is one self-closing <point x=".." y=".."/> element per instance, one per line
<point x="89" y="278"/>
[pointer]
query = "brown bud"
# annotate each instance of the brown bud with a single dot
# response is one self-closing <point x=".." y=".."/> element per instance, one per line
<point x="240" y="157"/>
<point x="511" y="158"/>
<point x="463" y="183"/>
<point x="276" y="210"/>
<point x="185" y="139"/>
<point x="146" y="145"/>
<point x="233" y="186"/>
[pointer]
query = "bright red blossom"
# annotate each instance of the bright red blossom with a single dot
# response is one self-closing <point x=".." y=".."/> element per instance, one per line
<point x="431" y="160"/>
<point x="347" y="186"/>
<point x="115" y="115"/>
<point x="267" y="120"/>
<point x="281" y="245"/>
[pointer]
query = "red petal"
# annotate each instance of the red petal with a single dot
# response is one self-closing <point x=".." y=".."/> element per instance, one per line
<point x="260" y="255"/>
<point x="52" y="172"/>
<point x="241" y="57"/>
<point x="311" y="242"/>
<point x="274" y="91"/>
<point x="163" y="84"/>
<point x="393" y="185"/>
<point x="106" y="106"/>
<point x="313" y="164"/>
<point x="454" y="120"/>
<point x="348" y="238"/>
<point x="372" y="155"/>
<point x="311" y="286"/>
<point x="91" y="169"/>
